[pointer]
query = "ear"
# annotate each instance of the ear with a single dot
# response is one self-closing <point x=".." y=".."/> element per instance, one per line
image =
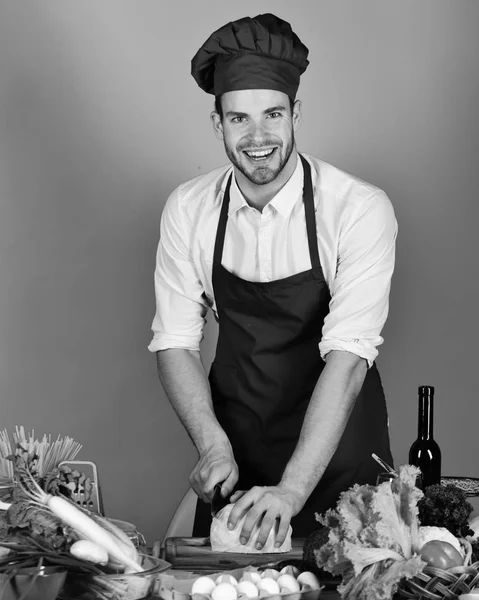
<point x="217" y="125"/>
<point x="297" y="117"/>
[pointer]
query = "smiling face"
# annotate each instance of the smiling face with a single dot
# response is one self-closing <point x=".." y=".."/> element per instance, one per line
<point x="257" y="130"/>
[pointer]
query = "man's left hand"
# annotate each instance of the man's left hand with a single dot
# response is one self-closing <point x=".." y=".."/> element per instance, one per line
<point x="265" y="505"/>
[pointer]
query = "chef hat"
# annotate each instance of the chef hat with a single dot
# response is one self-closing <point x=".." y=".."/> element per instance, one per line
<point x="252" y="53"/>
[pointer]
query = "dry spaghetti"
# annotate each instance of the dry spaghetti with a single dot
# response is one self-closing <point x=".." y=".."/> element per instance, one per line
<point x="48" y="453"/>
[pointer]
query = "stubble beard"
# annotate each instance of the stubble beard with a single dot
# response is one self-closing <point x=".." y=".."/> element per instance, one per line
<point x="262" y="175"/>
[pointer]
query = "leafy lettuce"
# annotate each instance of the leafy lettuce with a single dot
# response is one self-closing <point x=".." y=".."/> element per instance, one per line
<point x="374" y="537"/>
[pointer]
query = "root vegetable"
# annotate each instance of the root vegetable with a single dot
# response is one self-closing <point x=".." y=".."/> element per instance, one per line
<point x="117" y="533"/>
<point x="89" y="551"/>
<point x="86" y="527"/>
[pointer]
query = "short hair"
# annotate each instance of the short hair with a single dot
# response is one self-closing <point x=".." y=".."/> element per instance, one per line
<point x="219" y="108"/>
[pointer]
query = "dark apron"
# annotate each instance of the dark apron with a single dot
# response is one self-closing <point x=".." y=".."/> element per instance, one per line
<point x="266" y="366"/>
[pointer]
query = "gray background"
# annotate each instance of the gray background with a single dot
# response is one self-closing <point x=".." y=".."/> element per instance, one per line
<point x="100" y="121"/>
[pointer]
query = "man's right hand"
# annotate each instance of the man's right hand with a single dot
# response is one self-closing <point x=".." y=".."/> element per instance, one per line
<point x="215" y="465"/>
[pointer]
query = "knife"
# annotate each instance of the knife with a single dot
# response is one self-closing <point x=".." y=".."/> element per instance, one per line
<point x="217" y="501"/>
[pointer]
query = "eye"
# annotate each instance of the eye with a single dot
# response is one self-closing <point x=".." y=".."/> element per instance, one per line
<point x="274" y="115"/>
<point x="238" y="119"/>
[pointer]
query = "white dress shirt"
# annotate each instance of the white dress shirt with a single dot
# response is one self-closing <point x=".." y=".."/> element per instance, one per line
<point x="356" y="231"/>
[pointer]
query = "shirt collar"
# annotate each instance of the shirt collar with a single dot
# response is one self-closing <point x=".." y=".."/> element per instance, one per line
<point x="284" y="200"/>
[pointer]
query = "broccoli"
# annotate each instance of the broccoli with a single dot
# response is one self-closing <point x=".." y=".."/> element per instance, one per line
<point x="446" y="506"/>
<point x="313" y="542"/>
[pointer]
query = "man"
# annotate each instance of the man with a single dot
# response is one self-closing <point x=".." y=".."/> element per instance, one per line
<point x="295" y="258"/>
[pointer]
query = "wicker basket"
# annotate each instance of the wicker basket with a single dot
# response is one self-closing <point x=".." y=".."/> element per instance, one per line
<point x="437" y="584"/>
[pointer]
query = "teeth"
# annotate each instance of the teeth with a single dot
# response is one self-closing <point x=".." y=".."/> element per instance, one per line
<point x="259" y="153"/>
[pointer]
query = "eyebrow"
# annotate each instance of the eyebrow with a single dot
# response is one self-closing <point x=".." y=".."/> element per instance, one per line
<point x="233" y="113"/>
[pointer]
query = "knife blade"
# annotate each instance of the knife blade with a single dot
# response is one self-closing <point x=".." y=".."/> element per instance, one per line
<point x="217" y="501"/>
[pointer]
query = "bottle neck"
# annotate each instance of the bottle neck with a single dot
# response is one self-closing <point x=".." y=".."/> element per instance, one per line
<point x="425" y="417"/>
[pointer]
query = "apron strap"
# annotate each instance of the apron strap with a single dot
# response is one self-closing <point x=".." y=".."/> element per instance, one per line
<point x="220" y="233"/>
<point x="308" y="199"/>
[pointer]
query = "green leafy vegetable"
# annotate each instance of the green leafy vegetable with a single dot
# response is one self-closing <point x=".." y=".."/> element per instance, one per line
<point x="31" y="535"/>
<point x="380" y="580"/>
<point x="28" y="523"/>
<point x="312" y="542"/>
<point x="446" y="506"/>
<point x="374" y="537"/>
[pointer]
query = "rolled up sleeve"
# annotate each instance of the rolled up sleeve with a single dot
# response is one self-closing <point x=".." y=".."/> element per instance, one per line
<point x="360" y="291"/>
<point x="180" y="305"/>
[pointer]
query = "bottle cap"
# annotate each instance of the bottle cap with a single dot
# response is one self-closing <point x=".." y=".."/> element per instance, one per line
<point x="426" y="390"/>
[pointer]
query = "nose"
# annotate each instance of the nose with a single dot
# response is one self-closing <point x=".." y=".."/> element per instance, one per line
<point x="257" y="131"/>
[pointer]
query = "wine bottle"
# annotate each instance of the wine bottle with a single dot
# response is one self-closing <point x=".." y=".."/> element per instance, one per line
<point x="425" y="452"/>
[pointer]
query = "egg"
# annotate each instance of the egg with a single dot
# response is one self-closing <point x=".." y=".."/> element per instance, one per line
<point x="248" y="589"/>
<point x="224" y="591"/>
<point x="226" y="578"/>
<point x="252" y="576"/>
<point x="287" y="583"/>
<point x="273" y="573"/>
<point x="309" y="579"/>
<point x="203" y="585"/>
<point x="269" y="585"/>
<point x="290" y="570"/>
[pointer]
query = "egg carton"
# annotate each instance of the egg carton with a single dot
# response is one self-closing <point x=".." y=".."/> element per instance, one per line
<point x="177" y="585"/>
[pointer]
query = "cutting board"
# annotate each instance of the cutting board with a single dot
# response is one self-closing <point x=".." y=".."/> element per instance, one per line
<point x="195" y="554"/>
